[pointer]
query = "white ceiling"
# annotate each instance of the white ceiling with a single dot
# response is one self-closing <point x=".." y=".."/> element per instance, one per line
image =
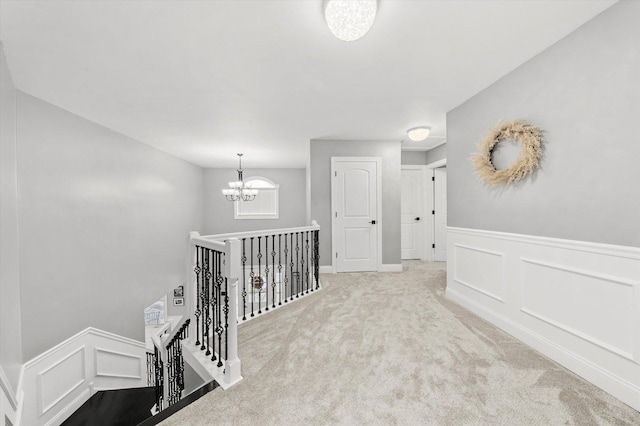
<point x="204" y="80"/>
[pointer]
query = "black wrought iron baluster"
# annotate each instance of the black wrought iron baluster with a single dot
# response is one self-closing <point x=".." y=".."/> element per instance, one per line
<point x="159" y="378"/>
<point x="252" y="275"/>
<point x="266" y="272"/>
<point x="302" y="262"/>
<point x="215" y="305"/>
<point x="244" y="281"/>
<point x="286" y="275"/>
<point x="198" y="271"/>
<point x="206" y="301"/>
<point x="259" y="277"/>
<point x="219" y="328"/>
<point x="273" y="271"/>
<point x="293" y="276"/>
<point x="306" y="274"/>
<point x="316" y="258"/>
<point x="226" y="319"/>
<point x="297" y="265"/>
<point x="280" y="278"/>
<point x="201" y="295"/>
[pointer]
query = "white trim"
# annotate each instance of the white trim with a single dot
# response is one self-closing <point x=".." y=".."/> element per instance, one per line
<point x="48" y="401"/>
<point x="423" y="148"/>
<point x="67" y="411"/>
<point x="378" y="161"/>
<point x="8" y="390"/>
<point x="327" y="269"/>
<point x="85" y="332"/>
<point x="585" y="246"/>
<point x="437" y="164"/>
<point x="576" y="302"/>
<point x="617" y="386"/>
<point x="390" y="267"/>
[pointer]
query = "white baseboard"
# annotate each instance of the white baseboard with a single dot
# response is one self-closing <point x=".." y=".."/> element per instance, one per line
<point x="60" y="380"/>
<point x="390" y="268"/>
<point x="326" y="269"/>
<point x="576" y="302"/>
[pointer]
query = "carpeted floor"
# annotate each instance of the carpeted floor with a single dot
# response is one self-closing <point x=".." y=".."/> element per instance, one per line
<point x="384" y="349"/>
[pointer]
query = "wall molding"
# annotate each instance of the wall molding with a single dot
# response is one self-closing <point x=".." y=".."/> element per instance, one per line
<point x="5" y="385"/>
<point x="576" y="302"/>
<point x="60" y="380"/>
<point x="326" y="269"/>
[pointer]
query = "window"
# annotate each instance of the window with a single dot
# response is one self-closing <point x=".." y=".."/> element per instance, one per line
<point x="265" y="205"/>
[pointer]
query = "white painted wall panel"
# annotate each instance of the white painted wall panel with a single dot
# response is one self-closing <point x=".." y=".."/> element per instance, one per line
<point x="576" y="302"/>
<point x="60" y="380"/>
<point x="480" y="270"/>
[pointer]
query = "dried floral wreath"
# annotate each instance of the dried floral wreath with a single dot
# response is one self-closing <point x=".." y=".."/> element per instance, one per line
<point x="529" y="136"/>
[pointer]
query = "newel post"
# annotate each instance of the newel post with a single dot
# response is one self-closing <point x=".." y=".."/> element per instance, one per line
<point x="232" y="272"/>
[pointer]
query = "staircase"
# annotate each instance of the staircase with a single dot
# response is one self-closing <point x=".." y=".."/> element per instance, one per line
<point x="98" y="378"/>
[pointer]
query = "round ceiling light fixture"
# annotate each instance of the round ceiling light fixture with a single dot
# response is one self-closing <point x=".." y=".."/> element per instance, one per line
<point x="349" y="20"/>
<point x="418" y="134"/>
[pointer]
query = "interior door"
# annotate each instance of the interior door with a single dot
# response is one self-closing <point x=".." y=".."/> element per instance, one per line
<point x="355" y="213"/>
<point x="412" y="212"/>
<point x="440" y="207"/>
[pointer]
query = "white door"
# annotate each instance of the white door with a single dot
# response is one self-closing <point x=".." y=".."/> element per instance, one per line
<point x="412" y="212"/>
<point x="355" y="213"/>
<point x="440" y="206"/>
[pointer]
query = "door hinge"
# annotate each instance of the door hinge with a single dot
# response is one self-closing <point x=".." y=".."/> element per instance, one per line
<point x="433" y="178"/>
<point x="336" y="255"/>
<point x="336" y="214"/>
<point x="433" y="212"/>
<point x="335" y="174"/>
<point x="433" y="246"/>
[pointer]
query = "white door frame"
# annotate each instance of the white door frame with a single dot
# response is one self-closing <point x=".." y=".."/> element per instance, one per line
<point x="425" y="175"/>
<point x="430" y="203"/>
<point x="378" y="161"/>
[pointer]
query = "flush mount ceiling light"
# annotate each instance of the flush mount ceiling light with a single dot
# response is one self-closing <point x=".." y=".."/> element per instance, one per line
<point x="418" y="134"/>
<point x="349" y="20"/>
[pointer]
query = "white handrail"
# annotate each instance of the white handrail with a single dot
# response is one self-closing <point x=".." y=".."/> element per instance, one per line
<point x="239" y="235"/>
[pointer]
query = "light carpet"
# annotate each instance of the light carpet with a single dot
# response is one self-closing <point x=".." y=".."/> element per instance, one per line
<point x="389" y="348"/>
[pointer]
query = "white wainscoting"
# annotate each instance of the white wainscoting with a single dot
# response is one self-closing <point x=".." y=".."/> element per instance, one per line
<point x="10" y="404"/>
<point x="59" y="381"/>
<point x="576" y="302"/>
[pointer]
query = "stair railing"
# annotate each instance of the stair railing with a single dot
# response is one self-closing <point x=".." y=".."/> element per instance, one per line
<point x="167" y="364"/>
<point x="214" y="268"/>
<point x="237" y="276"/>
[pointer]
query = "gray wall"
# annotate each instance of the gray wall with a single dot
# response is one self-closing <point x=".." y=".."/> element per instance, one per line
<point x="321" y="153"/>
<point x="218" y="212"/>
<point x="584" y="92"/>
<point x="10" y="318"/>
<point x="104" y="221"/>
<point x="436" y="154"/>
<point x="413" y="158"/>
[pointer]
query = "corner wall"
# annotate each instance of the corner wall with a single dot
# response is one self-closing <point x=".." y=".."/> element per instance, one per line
<point x="104" y="221"/>
<point x="555" y="261"/>
<point x="10" y="316"/>
<point x="584" y="93"/>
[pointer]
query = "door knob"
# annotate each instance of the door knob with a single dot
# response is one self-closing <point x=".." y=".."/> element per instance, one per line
<point x="373" y="222"/>
<point x="417" y="218"/>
